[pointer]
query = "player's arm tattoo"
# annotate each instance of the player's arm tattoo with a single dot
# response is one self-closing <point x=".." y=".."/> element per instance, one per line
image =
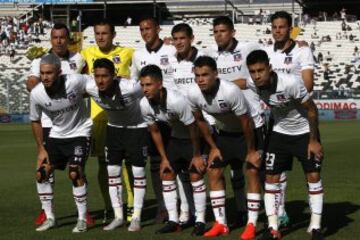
<point x="312" y="116"/>
<point x="308" y="77"/>
<point x="204" y="128"/>
<point x="195" y="138"/>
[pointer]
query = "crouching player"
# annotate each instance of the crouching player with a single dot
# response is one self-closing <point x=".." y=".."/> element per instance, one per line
<point x="61" y="98"/>
<point x="295" y="134"/>
<point x="183" y="150"/>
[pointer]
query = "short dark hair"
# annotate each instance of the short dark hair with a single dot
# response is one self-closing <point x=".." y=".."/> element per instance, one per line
<point x="257" y="56"/>
<point x="151" y="71"/>
<point x="225" y="21"/>
<point x="107" y="22"/>
<point x="105" y="63"/>
<point x="58" y="26"/>
<point x="282" y="14"/>
<point x="149" y="18"/>
<point x="203" y="61"/>
<point x="182" y="27"/>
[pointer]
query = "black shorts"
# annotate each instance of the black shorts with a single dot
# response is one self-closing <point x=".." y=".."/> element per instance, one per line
<point x="165" y="131"/>
<point x="233" y="147"/>
<point x="179" y="153"/>
<point x="45" y="132"/>
<point x="283" y="148"/>
<point x="74" y="151"/>
<point x="129" y="143"/>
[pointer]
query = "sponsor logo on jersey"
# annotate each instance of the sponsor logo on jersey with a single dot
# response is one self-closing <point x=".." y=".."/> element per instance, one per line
<point x="117" y="59"/>
<point x="72" y="65"/>
<point x="71" y="96"/>
<point x="288" y="60"/>
<point x="237" y="57"/>
<point x="280" y="97"/>
<point x="223" y="105"/>
<point x="164" y="61"/>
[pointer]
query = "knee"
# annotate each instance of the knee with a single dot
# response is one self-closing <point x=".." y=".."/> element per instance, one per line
<point x="195" y="177"/>
<point x="75" y="174"/>
<point x="313" y="177"/>
<point x="272" y="178"/>
<point x="215" y="176"/>
<point x="168" y="177"/>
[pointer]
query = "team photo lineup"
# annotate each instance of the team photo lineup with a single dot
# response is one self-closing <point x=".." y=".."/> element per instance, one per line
<point x="188" y="114"/>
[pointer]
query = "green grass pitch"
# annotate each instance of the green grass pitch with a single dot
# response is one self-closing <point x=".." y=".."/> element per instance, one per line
<point x="19" y="203"/>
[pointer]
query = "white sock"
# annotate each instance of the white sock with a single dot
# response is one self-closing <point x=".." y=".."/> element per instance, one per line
<point x="46" y="195"/>
<point x="170" y="199"/>
<point x="217" y="199"/>
<point x="199" y="192"/>
<point x="316" y="198"/>
<point x="139" y="190"/>
<point x="282" y="194"/>
<point x="253" y="203"/>
<point x="184" y="206"/>
<point x="115" y="189"/>
<point x="80" y="200"/>
<point x="271" y="190"/>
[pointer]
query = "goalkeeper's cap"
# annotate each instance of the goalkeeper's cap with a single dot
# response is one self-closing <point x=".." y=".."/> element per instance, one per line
<point x="51" y="59"/>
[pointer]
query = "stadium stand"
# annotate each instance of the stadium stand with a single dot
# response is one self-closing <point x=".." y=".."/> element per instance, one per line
<point x="342" y="72"/>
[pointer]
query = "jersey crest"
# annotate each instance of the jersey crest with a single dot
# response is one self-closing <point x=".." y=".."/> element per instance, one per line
<point x="117" y="59"/>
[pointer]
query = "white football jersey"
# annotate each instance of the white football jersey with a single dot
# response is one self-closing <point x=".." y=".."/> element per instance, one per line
<point x="176" y="111"/>
<point x="284" y="99"/>
<point x="225" y="105"/>
<point x="163" y="56"/>
<point x="67" y="111"/>
<point x="291" y="61"/>
<point x="232" y="66"/>
<point x="184" y="77"/>
<point x="123" y="108"/>
<point x="74" y="63"/>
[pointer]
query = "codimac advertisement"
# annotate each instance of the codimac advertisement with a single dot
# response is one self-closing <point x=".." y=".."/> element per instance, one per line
<point x="336" y="109"/>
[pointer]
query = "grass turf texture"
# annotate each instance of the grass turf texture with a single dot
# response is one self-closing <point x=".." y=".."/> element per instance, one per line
<point x="19" y="203"/>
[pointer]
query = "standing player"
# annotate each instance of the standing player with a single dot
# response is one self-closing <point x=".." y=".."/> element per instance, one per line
<point x="61" y="98"/>
<point x="295" y="134"/>
<point x="183" y="150"/>
<point x="236" y="141"/>
<point x="286" y="56"/>
<point x="70" y="63"/>
<point x="158" y="53"/>
<point x="230" y="57"/>
<point x="121" y="57"/>
<point x="126" y="136"/>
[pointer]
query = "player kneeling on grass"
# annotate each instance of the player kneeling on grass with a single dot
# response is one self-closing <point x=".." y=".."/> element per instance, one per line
<point x="183" y="150"/>
<point x="126" y="136"/>
<point x="295" y="134"/>
<point x="61" y="98"/>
